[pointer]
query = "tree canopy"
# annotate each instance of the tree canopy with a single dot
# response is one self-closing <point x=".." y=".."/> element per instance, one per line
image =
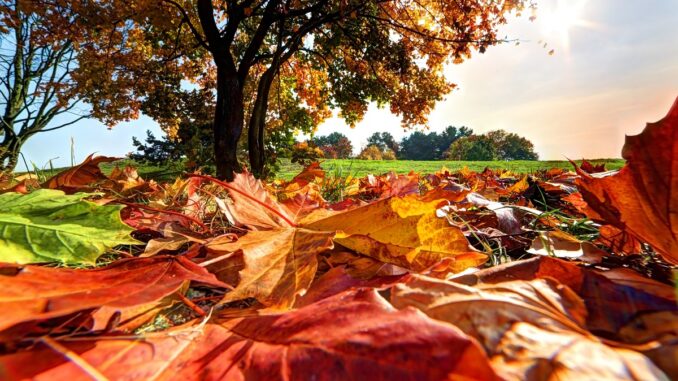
<point x="37" y="90"/>
<point x="494" y="145"/>
<point x="259" y="57"/>
<point x="334" y="146"/>
<point x="431" y="146"/>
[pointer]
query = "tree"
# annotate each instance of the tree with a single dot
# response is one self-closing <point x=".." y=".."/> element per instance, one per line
<point x="37" y="92"/>
<point x="419" y="146"/>
<point x="449" y="136"/>
<point x="384" y="141"/>
<point x="388" y="154"/>
<point x="344" y="148"/>
<point x="156" y="151"/>
<point x="342" y="53"/>
<point x="510" y="146"/>
<point x="335" y="145"/>
<point x="493" y="145"/>
<point x="472" y="148"/>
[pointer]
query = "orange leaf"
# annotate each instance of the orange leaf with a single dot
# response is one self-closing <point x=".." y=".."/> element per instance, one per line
<point x="348" y="336"/>
<point x="278" y="264"/>
<point x="641" y="197"/>
<point x="35" y="292"/>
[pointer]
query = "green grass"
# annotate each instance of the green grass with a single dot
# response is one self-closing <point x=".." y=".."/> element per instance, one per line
<point x="360" y="168"/>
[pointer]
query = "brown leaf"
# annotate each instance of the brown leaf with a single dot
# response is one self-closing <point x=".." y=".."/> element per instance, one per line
<point x="532" y="330"/>
<point x="589" y="167"/>
<point x="81" y="177"/>
<point x="641" y="197"/>
<point x="619" y="241"/>
<point x="530" y="352"/>
<point x="352" y="335"/>
<point x="36" y="292"/>
<point x="278" y="264"/>
<point x="613" y="298"/>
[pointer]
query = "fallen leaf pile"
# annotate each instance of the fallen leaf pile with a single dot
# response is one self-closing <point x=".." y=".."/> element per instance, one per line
<point x="454" y="275"/>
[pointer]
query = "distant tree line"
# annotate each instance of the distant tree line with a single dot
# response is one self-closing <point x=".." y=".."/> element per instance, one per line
<point x="451" y="144"/>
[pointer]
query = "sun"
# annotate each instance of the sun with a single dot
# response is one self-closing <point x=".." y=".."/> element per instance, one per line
<point x="559" y="21"/>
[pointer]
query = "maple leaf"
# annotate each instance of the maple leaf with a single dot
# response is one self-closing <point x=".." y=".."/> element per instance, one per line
<point x="36" y="293"/>
<point x="347" y="336"/>
<point x="640" y="198"/>
<point x="127" y="180"/>
<point x="81" y="177"/>
<point x="589" y="167"/>
<point x="401" y="231"/>
<point x="338" y="280"/>
<point x="278" y="264"/>
<point x="404" y="231"/>
<point x="532" y="330"/>
<point x="619" y="241"/>
<point x="252" y="205"/>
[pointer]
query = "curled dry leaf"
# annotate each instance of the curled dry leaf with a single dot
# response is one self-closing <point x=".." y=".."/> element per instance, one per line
<point x="35" y="293"/>
<point x="613" y="297"/>
<point x="352" y="335"/>
<point x="641" y="197"/>
<point x="559" y="244"/>
<point x="81" y="177"/>
<point x="532" y="330"/>
<point x="529" y="352"/>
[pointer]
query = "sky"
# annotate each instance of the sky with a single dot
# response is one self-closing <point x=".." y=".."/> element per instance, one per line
<point x="614" y="68"/>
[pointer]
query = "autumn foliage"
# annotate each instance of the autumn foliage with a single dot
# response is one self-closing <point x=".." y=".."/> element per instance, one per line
<point x="471" y="276"/>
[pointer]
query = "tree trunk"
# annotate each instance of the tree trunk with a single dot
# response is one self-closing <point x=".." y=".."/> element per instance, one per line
<point x="9" y="155"/>
<point x="228" y="124"/>
<point x="257" y="126"/>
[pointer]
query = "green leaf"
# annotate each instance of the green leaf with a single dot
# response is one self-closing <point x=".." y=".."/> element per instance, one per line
<point x="50" y="226"/>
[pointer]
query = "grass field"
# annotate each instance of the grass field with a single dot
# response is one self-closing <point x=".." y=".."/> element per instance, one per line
<point x="360" y="168"/>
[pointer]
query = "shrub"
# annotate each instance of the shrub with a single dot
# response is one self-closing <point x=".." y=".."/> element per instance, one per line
<point x="388" y="154"/>
<point x="305" y="153"/>
<point x="370" y="153"/>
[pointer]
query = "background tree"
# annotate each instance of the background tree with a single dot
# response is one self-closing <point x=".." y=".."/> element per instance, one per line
<point x="343" y="53"/>
<point x="431" y="146"/>
<point x="384" y="140"/>
<point x="419" y="146"/>
<point x="493" y="145"/>
<point x="36" y="88"/>
<point x="449" y="136"/>
<point x="335" y="145"/>
<point x="510" y="146"/>
<point x="472" y="148"/>
<point x="156" y="151"/>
